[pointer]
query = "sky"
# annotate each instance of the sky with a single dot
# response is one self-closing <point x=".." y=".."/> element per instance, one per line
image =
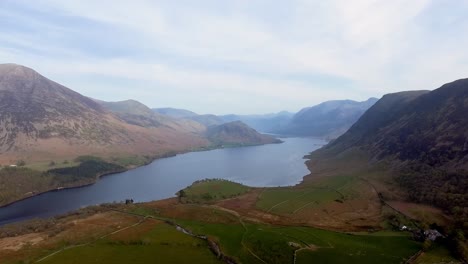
<point x="238" y="56"/>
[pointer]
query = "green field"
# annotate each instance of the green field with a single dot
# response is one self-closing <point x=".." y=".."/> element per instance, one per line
<point x="272" y="244"/>
<point x="437" y="254"/>
<point x="288" y="201"/>
<point x="153" y="243"/>
<point x="292" y="199"/>
<point x="211" y="190"/>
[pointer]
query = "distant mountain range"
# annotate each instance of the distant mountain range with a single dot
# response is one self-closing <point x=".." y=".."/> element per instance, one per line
<point x="327" y="120"/>
<point x="43" y="120"/>
<point x="269" y="123"/>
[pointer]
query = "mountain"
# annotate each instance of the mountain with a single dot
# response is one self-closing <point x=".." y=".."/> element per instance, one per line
<point x="43" y="120"/>
<point x="237" y="133"/>
<point x="136" y="113"/>
<point x="174" y="112"/>
<point x="328" y="119"/>
<point x="265" y="123"/>
<point x="423" y="137"/>
<point x="133" y="112"/>
<point x="206" y="120"/>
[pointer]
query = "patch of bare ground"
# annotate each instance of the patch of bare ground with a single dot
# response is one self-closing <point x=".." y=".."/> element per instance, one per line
<point x="135" y="233"/>
<point x="171" y="208"/>
<point x="16" y="243"/>
<point x="356" y="215"/>
<point x="72" y="229"/>
<point x="353" y="215"/>
<point x="245" y="205"/>
<point x="97" y="225"/>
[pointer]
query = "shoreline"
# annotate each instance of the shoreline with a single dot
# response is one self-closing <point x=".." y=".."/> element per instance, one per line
<point x="169" y="154"/>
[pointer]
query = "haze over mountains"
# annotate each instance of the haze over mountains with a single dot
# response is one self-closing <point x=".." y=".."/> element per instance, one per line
<point x="327" y="120"/>
<point x="41" y="119"/>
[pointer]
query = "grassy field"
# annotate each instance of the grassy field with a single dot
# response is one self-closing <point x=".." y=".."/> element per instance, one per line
<point x="21" y="182"/>
<point x="211" y="190"/>
<point x="257" y="243"/>
<point x="47" y="165"/>
<point x="150" y="242"/>
<point x="344" y="202"/>
<point x="289" y="201"/>
<point x="437" y="254"/>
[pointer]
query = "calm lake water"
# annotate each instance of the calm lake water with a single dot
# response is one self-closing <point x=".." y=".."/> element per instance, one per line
<point x="259" y="166"/>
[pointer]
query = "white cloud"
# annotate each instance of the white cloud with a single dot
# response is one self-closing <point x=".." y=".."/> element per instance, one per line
<point x="371" y="46"/>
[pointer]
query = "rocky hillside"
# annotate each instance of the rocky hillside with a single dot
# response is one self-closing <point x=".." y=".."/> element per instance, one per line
<point x="237" y="133"/>
<point x="328" y="119"/>
<point x="136" y="113"/>
<point x="41" y="119"/>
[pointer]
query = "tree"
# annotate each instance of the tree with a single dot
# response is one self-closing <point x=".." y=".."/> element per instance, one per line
<point x="20" y="163"/>
<point x="181" y="194"/>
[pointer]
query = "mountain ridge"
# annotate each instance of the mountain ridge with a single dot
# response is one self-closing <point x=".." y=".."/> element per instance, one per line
<point x="421" y="138"/>
<point x="43" y="120"/>
<point x="328" y="119"/>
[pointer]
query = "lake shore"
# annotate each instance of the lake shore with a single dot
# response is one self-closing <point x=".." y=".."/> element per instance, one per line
<point x="128" y="168"/>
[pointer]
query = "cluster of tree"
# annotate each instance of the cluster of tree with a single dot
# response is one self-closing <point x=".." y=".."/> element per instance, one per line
<point x="447" y="190"/>
<point x="88" y="169"/>
<point x="211" y="180"/>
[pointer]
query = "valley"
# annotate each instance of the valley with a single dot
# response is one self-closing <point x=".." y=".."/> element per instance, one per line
<point x="227" y="231"/>
<point x="391" y="188"/>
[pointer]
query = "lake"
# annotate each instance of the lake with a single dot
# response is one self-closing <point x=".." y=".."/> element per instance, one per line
<point x="258" y="166"/>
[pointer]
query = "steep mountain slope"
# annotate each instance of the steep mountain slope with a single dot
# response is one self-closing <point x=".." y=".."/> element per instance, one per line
<point x="423" y="136"/>
<point x="236" y="132"/>
<point x="380" y="114"/>
<point x="41" y="119"/>
<point x="328" y="119"/>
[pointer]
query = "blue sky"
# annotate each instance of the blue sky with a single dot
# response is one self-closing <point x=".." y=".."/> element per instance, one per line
<point x="238" y="56"/>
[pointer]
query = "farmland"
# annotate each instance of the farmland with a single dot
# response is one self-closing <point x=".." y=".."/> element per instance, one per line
<point x="246" y="225"/>
<point x="120" y="235"/>
<point x="149" y="242"/>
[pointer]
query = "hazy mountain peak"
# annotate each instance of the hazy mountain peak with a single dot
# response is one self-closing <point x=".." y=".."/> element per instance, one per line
<point x="16" y="69"/>
<point x="174" y="112"/>
<point x="327" y="119"/>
